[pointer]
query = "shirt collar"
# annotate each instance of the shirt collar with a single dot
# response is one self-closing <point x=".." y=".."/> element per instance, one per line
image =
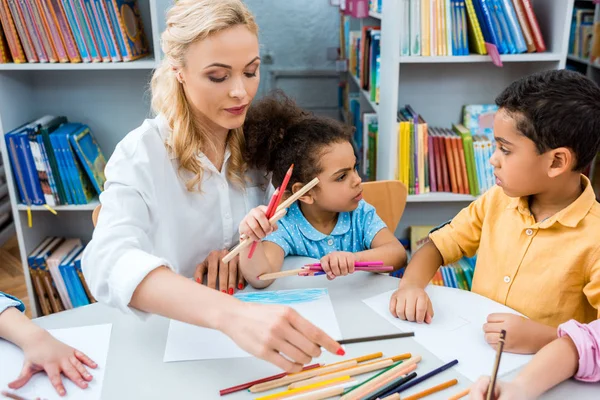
<point x="571" y="215"/>
<point x="342" y="225"/>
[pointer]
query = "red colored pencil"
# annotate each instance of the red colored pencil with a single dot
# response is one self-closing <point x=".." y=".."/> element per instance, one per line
<point x="270" y="211"/>
<point x="245" y="386"/>
<point x="286" y="180"/>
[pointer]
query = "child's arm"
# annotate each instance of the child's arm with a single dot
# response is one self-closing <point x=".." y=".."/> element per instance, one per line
<point x="384" y="247"/>
<point x="564" y="357"/>
<point x="267" y="258"/>
<point x="43" y="353"/>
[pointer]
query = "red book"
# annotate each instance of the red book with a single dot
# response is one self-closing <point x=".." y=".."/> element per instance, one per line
<point x="538" y="39"/>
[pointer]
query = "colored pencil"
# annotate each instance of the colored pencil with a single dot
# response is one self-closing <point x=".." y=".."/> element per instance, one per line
<point x="269" y="213"/>
<point x="12" y="396"/>
<point x="366" y="387"/>
<point x="247" y="241"/>
<point x="390" y="385"/>
<point x="286" y="380"/>
<point x="280" y="274"/>
<point x="324" y="393"/>
<point x="496" y="364"/>
<point x="367" y="357"/>
<point x="355" y="370"/>
<point x="460" y="395"/>
<point x="247" y="385"/>
<point x="368" y="268"/>
<point x="433" y="389"/>
<point x="373" y="338"/>
<point x="286" y="180"/>
<point x="305" y="388"/>
<point x="422" y="378"/>
<point x="356" y="264"/>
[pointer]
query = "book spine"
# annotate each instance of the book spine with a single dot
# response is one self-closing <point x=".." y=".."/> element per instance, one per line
<point x="535" y="27"/>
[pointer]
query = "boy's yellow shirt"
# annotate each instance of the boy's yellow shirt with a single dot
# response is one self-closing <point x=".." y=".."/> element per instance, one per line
<point x="548" y="270"/>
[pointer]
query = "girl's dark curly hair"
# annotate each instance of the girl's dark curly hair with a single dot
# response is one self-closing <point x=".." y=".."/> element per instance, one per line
<point x="279" y="133"/>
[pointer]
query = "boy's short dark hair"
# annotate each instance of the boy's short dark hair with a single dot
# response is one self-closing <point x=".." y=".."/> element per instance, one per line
<point x="557" y="108"/>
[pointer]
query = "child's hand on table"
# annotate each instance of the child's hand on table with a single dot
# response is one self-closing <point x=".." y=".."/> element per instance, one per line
<point x="523" y="336"/>
<point x="411" y="303"/>
<point x="43" y="352"/>
<point x="502" y="390"/>
<point x="338" y="263"/>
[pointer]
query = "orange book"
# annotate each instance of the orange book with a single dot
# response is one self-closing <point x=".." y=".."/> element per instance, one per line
<point x="463" y="164"/>
<point x="451" y="165"/>
<point x="19" y="24"/>
<point x="11" y="34"/>
<point x="538" y="39"/>
<point x="456" y="157"/>
<point x="4" y="50"/>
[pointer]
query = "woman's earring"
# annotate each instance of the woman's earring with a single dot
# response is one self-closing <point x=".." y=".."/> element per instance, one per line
<point x="179" y="77"/>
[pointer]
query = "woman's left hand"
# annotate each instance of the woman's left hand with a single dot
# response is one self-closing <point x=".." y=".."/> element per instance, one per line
<point x="228" y="274"/>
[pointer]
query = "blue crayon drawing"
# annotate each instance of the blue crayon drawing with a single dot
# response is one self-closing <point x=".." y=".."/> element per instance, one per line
<point x="283" y="297"/>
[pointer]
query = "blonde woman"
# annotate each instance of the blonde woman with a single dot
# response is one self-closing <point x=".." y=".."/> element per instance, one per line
<point x="177" y="188"/>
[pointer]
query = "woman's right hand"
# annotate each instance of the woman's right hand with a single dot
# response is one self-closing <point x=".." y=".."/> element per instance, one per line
<point x="279" y="335"/>
<point x="411" y="303"/>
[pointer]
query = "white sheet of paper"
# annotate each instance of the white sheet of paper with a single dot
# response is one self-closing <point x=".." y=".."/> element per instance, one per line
<point x="91" y="340"/>
<point x="190" y="342"/>
<point x="456" y="331"/>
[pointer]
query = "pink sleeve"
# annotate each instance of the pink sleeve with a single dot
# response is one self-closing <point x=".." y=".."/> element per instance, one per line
<point x="587" y="340"/>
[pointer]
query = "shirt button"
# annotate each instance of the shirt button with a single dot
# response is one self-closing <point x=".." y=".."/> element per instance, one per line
<point x="330" y="242"/>
<point x="507" y="279"/>
<point x="529" y="232"/>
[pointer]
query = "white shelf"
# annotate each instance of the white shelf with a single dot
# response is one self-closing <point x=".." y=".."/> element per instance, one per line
<point x="528" y="57"/>
<point x="374" y="14"/>
<point x="143" y="63"/>
<point x="578" y="59"/>
<point x="68" y="207"/>
<point x="365" y="94"/>
<point x="436" y="197"/>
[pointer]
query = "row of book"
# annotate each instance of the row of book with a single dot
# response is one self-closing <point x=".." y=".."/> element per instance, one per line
<point x="55" y="162"/>
<point x="457" y="275"/>
<point x="582" y="32"/>
<point x="375" y="6"/>
<point x="55" y="269"/>
<point x="458" y="27"/>
<point x="366" y="128"/>
<point x="432" y="159"/>
<point x="364" y="60"/>
<point x="71" y="31"/>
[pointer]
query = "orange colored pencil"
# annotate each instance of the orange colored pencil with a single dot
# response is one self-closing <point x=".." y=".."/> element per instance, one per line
<point x="431" y="390"/>
<point x="460" y="395"/>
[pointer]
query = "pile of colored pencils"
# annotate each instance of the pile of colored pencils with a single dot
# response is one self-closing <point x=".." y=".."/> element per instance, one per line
<point x="396" y="374"/>
<point x="316" y="269"/>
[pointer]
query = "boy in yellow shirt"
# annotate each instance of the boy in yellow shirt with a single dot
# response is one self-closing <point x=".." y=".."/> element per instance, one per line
<point x="537" y="231"/>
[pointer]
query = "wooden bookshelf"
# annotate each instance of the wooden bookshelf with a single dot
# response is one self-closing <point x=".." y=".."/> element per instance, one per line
<point x="111" y="98"/>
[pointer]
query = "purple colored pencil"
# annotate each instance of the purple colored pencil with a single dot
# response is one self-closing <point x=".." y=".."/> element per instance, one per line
<point x="356" y="264"/>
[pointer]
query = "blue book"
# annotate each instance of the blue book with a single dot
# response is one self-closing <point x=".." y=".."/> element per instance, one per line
<point x="77" y="33"/>
<point x="82" y="183"/>
<point x="62" y="171"/>
<point x="85" y="29"/>
<point x="71" y="169"/>
<point x="28" y="167"/>
<point x="95" y="29"/>
<point x="12" y="149"/>
<point x="104" y="24"/>
<point x="69" y="274"/>
<point x="90" y="155"/>
<point x="502" y="22"/>
<point x="490" y="32"/>
<point x="514" y="26"/>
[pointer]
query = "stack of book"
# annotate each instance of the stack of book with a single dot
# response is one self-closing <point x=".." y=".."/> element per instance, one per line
<point x="55" y="162"/>
<point x="71" y="31"/>
<point x="456" y="159"/>
<point x="460" y="27"/>
<point x="55" y="268"/>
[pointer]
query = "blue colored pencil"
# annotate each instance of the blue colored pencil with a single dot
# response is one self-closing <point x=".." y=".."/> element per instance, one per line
<point x="420" y="379"/>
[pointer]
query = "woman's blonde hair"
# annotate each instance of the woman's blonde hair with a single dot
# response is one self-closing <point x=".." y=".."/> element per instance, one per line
<point x="189" y="21"/>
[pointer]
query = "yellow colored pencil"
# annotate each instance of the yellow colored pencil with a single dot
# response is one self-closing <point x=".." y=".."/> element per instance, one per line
<point x="287" y="393"/>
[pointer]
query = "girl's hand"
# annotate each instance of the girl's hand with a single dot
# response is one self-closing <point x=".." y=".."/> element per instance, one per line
<point x="45" y="353"/>
<point x="338" y="263"/>
<point x="279" y="335"/>
<point x="256" y="224"/>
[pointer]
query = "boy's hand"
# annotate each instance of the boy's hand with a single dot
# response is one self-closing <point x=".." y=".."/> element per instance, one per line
<point x="256" y="225"/>
<point x="502" y="390"/>
<point x="523" y="336"/>
<point x="45" y="353"/>
<point x="338" y="263"/>
<point x="411" y="303"/>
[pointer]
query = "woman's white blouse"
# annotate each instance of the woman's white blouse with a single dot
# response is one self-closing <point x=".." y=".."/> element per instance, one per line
<point x="150" y="219"/>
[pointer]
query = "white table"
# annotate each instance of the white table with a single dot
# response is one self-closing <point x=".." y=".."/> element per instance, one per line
<point x="135" y="367"/>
